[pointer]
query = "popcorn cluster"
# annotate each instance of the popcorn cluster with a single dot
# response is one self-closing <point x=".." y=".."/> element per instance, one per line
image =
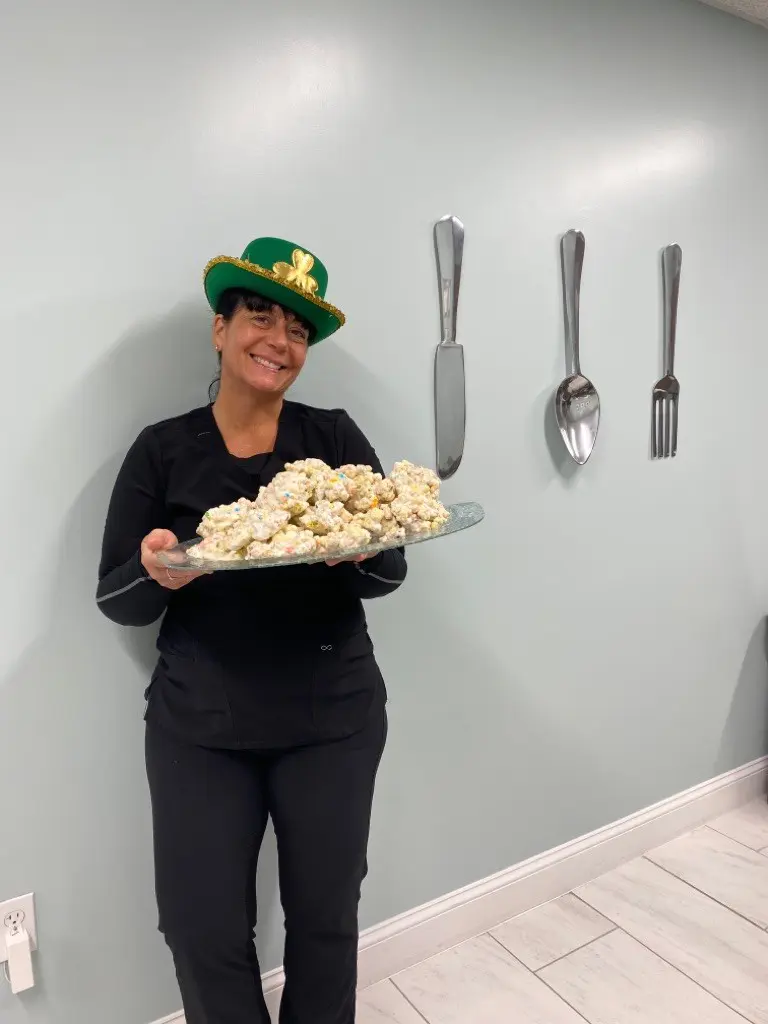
<point x="311" y="509"/>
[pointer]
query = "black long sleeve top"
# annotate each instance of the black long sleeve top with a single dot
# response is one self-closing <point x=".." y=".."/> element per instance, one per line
<point x="259" y="658"/>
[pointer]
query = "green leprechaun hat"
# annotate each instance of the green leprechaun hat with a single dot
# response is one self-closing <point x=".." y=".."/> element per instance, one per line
<point x="281" y="271"/>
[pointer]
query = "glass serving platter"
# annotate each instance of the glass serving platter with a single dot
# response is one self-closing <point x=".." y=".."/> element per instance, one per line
<point x="182" y="558"/>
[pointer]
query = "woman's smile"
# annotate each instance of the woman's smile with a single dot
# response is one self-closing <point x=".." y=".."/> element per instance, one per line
<point x="268" y="363"/>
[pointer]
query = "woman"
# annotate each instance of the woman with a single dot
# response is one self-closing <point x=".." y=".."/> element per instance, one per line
<point x="266" y="700"/>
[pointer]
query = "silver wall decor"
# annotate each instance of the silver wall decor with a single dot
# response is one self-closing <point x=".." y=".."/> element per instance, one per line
<point x="450" y="395"/>
<point x="666" y="393"/>
<point x="577" y="405"/>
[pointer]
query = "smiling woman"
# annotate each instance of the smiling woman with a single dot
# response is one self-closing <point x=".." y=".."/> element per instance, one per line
<point x="244" y="321"/>
<point x="267" y="699"/>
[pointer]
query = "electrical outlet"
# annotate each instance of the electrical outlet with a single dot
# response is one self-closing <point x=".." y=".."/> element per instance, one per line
<point x="14" y="921"/>
<point x="15" y="914"/>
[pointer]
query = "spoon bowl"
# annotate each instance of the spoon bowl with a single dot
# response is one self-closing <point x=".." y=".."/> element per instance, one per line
<point x="577" y="409"/>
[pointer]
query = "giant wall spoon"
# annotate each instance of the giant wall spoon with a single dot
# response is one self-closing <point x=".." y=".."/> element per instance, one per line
<point x="577" y="405"/>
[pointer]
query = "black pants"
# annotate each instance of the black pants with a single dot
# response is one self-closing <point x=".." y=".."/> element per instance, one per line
<point x="210" y="810"/>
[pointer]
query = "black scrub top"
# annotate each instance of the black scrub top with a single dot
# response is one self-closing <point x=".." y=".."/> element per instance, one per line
<point x="261" y="658"/>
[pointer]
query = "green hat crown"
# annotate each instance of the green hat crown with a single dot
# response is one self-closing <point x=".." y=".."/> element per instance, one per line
<point x="283" y="272"/>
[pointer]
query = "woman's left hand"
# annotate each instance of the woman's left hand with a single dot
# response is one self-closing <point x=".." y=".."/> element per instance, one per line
<point x="352" y="558"/>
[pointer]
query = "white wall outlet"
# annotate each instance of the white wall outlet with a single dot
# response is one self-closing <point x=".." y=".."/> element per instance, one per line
<point x="13" y="915"/>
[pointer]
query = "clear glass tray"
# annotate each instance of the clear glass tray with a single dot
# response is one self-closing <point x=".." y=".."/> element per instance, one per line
<point x="181" y="559"/>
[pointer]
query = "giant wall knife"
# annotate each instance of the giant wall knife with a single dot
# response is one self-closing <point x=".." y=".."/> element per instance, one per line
<point x="450" y="397"/>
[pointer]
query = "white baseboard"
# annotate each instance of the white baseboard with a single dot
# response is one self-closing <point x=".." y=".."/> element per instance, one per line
<point x="418" y="934"/>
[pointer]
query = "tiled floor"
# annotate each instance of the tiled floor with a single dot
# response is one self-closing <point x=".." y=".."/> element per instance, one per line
<point x="679" y="936"/>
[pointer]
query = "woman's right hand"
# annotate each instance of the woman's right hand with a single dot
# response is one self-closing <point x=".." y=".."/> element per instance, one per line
<point x="153" y="543"/>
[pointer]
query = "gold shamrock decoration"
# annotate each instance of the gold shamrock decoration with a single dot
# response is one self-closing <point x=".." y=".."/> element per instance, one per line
<point x="297" y="273"/>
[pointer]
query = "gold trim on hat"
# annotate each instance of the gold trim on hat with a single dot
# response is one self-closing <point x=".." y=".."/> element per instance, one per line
<point x="300" y="270"/>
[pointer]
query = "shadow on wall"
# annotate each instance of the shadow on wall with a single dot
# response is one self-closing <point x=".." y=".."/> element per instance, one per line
<point x="72" y="702"/>
<point x="745" y="734"/>
<point x="453" y="690"/>
<point x="544" y="409"/>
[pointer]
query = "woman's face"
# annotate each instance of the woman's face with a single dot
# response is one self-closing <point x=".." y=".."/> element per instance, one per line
<point x="264" y="349"/>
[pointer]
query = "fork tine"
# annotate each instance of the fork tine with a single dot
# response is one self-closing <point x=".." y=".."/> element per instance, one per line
<point x="659" y="428"/>
<point x="659" y="425"/>
<point x="654" y="430"/>
<point x="674" y="425"/>
<point x="664" y="425"/>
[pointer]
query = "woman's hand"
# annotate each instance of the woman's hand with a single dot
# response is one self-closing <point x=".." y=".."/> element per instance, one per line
<point x="161" y="540"/>
<point x="352" y="558"/>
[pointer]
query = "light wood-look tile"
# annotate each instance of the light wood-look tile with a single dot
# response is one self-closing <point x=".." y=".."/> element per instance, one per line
<point x="616" y="980"/>
<point x="747" y="825"/>
<point x="383" y="1004"/>
<point x="552" y="930"/>
<point x="721" y="951"/>
<point x="722" y="868"/>
<point x="479" y="982"/>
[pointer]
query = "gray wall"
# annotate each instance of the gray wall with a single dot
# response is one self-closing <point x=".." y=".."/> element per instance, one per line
<point x="598" y="643"/>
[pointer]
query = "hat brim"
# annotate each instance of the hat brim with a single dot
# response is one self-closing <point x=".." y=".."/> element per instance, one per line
<point x="225" y="272"/>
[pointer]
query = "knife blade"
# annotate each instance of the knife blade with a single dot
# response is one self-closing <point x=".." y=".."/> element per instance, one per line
<point x="450" y="387"/>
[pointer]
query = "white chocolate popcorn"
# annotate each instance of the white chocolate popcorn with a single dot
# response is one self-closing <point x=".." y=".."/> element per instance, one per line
<point x="293" y="541"/>
<point x="406" y="476"/>
<point x="264" y="523"/>
<point x="362" y="499"/>
<point x="309" y="467"/>
<point x="333" y="487"/>
<point x="290" y="491"/>
<point x="385" y="491"/>
<point x="310" y="508"/>
<point x="213" y="549"/>
<point x="219" y="518"/>
<point x="348" y="539"/>
<point x="324" y="517"/>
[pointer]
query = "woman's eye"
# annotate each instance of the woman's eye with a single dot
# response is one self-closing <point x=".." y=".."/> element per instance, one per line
<point x="262" y="321"/>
